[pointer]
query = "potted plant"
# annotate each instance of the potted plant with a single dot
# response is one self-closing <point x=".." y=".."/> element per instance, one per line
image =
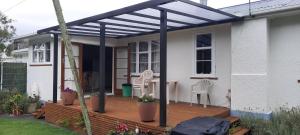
<point x="147" y="108"/>
<point x="32" y="103"/>
<point x="68" y="96"/>
<point x="95" y="101"/>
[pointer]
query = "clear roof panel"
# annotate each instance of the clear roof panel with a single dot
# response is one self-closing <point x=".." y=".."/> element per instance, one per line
<point x="130" y="23"/>
<point x="121" y="27"/>
<point x="98" y="30"/>
<point x="194" y="10"/>
<point x="172" y="16"/>
<point x="144" y="18"/>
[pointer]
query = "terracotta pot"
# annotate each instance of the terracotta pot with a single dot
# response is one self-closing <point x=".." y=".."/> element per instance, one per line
<point x="147" y="111"/>
<point x="68" y="97"/>
<point x="31" y="108"/>
<point x="95" y="103"/>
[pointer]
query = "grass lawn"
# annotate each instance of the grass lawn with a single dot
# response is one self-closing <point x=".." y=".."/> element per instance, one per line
<point x="27" y="126"/>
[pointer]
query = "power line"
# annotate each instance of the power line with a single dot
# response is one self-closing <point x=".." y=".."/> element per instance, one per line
<point x="12" y="7"/>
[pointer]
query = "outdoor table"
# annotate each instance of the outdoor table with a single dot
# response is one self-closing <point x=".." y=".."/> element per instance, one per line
<point x="154" y="83"/>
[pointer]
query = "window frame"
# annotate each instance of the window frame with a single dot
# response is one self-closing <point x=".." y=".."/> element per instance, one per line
<point x="213" y="55"/>
<point x="44" y="54"/>
<point x="137" y="53"/>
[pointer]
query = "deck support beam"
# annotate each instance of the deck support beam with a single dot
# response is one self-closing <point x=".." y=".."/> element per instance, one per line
<point x="102" y="69"/>
<point x="163" y="68"/>
<point x="55" y="59"/>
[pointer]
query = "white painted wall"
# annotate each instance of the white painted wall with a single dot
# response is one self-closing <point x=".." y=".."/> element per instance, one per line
<point x="40" y="75"/>
<point x="249" y="80"/>
<point x="284" y="62"/>
<point x="181" y="57"/>
<point x="43" y="75"/>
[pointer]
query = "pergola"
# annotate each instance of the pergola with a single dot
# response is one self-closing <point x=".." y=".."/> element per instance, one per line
<point x="154" y="16"/>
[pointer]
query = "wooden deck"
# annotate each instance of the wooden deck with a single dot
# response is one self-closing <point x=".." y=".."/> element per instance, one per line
<point x="125" y="109"/>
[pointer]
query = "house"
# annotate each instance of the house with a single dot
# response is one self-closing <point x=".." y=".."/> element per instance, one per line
<point x="253" y="55"/>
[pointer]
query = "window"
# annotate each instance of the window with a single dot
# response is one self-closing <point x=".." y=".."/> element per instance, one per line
<point x="204" y="53"/>
<point x="144" y="56"/>
<point x="41" y="53"/>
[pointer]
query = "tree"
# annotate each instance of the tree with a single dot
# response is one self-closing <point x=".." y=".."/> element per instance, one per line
<point x="7" y="31"/>
<point x="68" y="45"/>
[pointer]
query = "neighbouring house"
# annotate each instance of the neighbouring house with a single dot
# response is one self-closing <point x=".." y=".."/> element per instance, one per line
<point x="252" y="53"/>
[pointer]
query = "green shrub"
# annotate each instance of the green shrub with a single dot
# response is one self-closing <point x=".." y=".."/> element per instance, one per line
<point x="283" y="122"/>
<point x="9" y="100"/>
<point x="4" y="98"/>
<point x="146" y="99"/>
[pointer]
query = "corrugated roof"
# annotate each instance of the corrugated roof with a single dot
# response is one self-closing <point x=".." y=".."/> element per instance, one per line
<point x="263" y="6"/>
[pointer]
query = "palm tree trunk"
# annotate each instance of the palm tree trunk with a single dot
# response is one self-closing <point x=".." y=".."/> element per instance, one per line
<point x="68" y="45"/>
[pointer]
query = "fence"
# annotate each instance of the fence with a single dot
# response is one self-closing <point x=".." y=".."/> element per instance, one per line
<point x="13" y="76"/>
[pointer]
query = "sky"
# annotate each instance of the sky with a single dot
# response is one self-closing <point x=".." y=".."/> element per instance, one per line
<point x="32" y="15"/>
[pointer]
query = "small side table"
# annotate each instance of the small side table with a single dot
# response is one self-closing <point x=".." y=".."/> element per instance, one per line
<point x="156" y="81"/>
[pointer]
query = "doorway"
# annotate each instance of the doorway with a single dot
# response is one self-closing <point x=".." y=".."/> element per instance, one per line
<point x="90" y="69"/>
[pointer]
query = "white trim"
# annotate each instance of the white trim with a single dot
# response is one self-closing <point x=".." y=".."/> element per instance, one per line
<point x="213" y="55"/>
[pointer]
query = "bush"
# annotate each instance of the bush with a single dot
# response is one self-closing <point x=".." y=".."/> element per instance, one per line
<point x="9" y="99"/>
<point x="283" y="122"/>
<point x="4" y="97"/>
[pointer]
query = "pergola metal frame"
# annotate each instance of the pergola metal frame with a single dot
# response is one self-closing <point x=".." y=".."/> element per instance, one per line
<point x="114" y="25"/>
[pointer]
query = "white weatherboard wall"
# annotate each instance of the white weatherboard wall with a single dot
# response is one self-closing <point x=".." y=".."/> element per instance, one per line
<point x="181" y="60"/>
<point x="284" y="62"/>
<point x="42" y="76"/>
<point x="249" y="80"/>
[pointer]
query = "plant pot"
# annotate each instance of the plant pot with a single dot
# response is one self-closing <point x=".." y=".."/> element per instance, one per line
<point x="95" y="103"/>
<point x="68" y="98"/>
<point x="31" y="108"/>
<point x="147" y="111"/>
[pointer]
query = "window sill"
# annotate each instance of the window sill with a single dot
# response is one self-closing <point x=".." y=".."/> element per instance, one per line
<point x="40" y="65"/>
<point x="204" y="77"/>
<point x="138" y="75"/>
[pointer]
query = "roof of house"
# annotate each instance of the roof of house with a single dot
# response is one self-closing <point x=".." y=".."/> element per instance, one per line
<point x="262" y="6"/>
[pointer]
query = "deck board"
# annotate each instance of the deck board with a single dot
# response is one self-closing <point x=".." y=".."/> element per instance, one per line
<point x="126" y="109"/>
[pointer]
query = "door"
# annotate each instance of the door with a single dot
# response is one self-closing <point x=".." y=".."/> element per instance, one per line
<point x="67" y="79"/>
<point x="108" y="69"/>
<point x="121" y="68"/>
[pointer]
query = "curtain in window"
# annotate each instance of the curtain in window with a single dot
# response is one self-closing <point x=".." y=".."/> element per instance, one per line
<point x="155" y="58"/>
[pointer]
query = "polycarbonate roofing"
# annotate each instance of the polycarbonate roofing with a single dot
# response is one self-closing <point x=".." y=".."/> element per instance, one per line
<point x="144" y="18"/>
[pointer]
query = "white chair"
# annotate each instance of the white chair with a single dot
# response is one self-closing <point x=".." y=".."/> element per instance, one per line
<point x="201" y="87"/>
<point x="143" y="81"/>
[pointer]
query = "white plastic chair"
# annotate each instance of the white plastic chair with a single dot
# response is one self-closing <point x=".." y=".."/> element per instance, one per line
<point x="143" y="81"/>
<point x="202" y="87"/>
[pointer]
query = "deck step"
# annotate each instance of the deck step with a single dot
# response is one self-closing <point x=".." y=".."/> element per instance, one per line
<point x="39" y="114"/>
<point x="242" y="131"/>
<point x="233" y="119"/>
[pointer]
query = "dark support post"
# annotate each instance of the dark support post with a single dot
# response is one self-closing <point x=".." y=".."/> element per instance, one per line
<point x="102" y="69"/>
<point x="55" y="55"/>
<point x="163" y="68"/>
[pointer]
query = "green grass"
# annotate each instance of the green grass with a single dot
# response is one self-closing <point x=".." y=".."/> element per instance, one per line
<point x="12" y="126"/>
